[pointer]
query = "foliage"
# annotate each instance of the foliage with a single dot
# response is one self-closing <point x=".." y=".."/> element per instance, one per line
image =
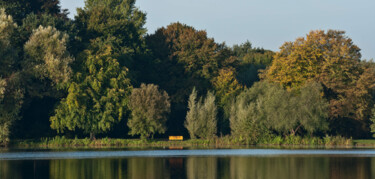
<point x="331" y="59"/>
<point x="246" y="116"/>
<point x="97" y="98"/>
<point x="33" y="21"/>
<point x="183" y="57"/>
<point x="249" y="62"/>
<point x="149" y="108"/>
<point x="84" y="70"/>
<point x="226" y="86"/>
<point x="117" y="23"/>
<point x="19" y="9"/>
<point x="267" y="106"/>
<point x="372" y="123"/>
<point x="47" y="55"/>
<point x="201" y="119"/>
<point x="11" y="93"/>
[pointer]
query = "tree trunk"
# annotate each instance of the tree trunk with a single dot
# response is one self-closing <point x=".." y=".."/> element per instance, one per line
<point x="293" y="132"/>
<point x="92" y="136"/>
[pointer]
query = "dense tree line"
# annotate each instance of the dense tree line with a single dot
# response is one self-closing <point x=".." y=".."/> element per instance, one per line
<point x="101" y="74"/>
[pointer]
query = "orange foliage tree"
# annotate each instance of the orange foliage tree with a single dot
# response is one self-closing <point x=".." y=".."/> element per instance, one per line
<point x="331" y="59"/>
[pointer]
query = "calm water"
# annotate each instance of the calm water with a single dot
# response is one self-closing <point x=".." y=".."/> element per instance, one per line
<point x="216" y="163"/>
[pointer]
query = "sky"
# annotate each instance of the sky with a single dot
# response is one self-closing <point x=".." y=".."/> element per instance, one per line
<point x="265" y="23"/>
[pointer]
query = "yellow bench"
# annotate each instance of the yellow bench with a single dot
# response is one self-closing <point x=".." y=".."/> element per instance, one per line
<point x="176" y="138"/>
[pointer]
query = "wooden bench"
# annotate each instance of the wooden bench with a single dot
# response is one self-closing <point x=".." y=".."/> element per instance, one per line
<point x="176" y="138"/>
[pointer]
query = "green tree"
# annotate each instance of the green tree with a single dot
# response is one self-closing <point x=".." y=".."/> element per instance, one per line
<point x="201" y="119"/>
<point x="33" y="21"/>
<point x="269" y="105"/>
<point x="247" y="114"/>
<point x="47" y="56"/>
<point x="97" y="96"/>
<point x="149" y="108"/>
<point x="117" y="23"/>
<point x="249" y="62"/>
<point x="11" y="93"/>
<point x="372" y="120"/>
<point x="19" y="9"/>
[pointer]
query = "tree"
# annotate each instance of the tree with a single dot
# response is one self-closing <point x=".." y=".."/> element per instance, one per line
<point x="19" y="9"/>
<point x="34" y="21"/>
<point x="247" y="114"/>
<point x="117" y="23"/>
<point x="47" y="56"/>
<point x="331" y="59"/>
<point x="201" y="119"/>
<point x="188" y="54"/>
<point x="269" y="106"/>
<point x="226" y="89"/>
<point x="191" y="122"/>
<point x="226" y="86"/>
<point x="97" y="96"/>
<point x="149" y="108"/>
<point x="11" y="92"/>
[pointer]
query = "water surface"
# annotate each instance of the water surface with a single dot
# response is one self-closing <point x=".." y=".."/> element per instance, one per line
<point x="213" y="163"/>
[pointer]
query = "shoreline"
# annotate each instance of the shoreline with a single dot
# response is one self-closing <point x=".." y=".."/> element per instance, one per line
<point x="225" y="142"/>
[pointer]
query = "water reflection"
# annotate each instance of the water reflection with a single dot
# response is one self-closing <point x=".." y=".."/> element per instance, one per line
<point x="193" y="167"/>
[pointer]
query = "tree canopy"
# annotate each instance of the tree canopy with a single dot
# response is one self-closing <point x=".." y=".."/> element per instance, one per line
<point x="331" y="59"/>
<point x="97" y="96"/>
<point x="150" y="108"/>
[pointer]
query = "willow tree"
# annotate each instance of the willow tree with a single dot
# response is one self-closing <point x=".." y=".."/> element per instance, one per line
<point x="149" y="111"/>
<point x="267" y="106"/>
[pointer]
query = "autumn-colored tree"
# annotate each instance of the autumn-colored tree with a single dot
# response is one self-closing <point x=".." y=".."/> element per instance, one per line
<point x="149" y="108"/>
<point x="226" y="89"/>
<point x="181" y="58"/>
<point x="331" y="59"/>
<point x="226" y="86"/>
<point x="184" y="57"/>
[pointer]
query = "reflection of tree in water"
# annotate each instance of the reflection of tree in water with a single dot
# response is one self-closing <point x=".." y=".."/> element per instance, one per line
<point x="109" y="168"/>
<point x="149" y="168"/>
<point x="280" y="167"/>
<point x="89" y="168"/>
<point x="202" y="167"/>
<point x="350" y="167"/>
<point x="176" y="167"/>
<point x="289" y="167"/>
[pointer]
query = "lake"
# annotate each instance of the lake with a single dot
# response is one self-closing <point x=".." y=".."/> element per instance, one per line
<point x="203" y="163"/>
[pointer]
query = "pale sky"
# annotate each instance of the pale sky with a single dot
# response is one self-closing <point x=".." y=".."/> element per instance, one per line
<point x="265" y="23"/>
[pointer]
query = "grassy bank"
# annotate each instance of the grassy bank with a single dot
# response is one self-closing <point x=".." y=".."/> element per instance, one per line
<point x="227" y="141"/>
